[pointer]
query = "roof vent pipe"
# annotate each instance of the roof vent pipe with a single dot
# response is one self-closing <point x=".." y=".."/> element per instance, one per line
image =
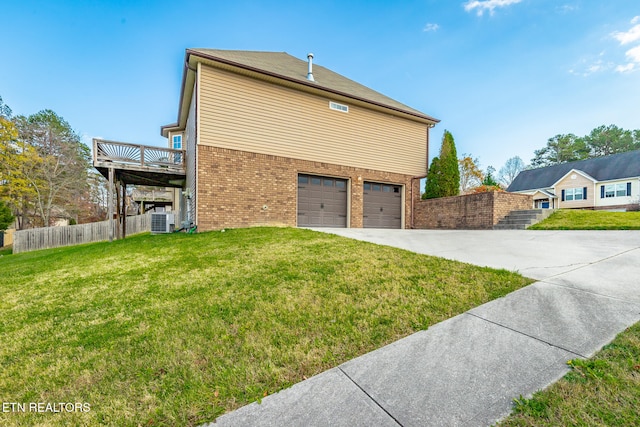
<point x="310" y="73"/>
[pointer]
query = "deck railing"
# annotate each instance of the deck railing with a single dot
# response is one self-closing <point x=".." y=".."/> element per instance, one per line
<point x="137" y="155"/>
<point x="151" y="195"/>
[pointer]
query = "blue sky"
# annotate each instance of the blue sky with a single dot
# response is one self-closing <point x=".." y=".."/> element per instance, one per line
<point x="502" y="75"/>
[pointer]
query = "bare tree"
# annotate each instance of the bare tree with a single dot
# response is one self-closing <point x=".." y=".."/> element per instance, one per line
<point x="510" y="170"/>
<point x="59" y="177"/>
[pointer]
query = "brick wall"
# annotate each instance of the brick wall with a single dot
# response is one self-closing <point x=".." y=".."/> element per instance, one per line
<point x="472" y="211"/>
<point x="243" y="189"/>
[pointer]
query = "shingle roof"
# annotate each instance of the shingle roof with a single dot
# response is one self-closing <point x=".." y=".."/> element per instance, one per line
<point x="281" y="64"/>
<point x="606" y="168"/>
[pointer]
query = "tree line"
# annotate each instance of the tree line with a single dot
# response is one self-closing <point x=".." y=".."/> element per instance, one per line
<point x="450" y="176"/>
<point x="601" y="141"/>
<point x="45" y="171"/>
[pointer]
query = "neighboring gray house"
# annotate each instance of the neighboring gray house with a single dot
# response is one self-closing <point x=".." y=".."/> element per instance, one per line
<point x="609" y="182"/>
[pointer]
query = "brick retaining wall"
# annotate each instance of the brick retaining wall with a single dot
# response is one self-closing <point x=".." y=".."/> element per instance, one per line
<point x="471" y="211"/>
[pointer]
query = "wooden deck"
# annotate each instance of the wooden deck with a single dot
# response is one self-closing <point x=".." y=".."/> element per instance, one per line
<point x="132" y="164"/>
<point x="140" y="164"/>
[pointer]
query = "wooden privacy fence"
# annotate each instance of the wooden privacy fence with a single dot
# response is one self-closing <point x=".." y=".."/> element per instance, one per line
<point x="53" y="237"/>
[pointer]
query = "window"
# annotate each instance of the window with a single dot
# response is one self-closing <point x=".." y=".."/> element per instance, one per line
<point x="338" y="107"/>
<point x="615" y="190"/>
<point x="303" y="179"/>
<point x="177" y="142"/>
<point x="609" y="190"/>
<point x="571" y="194"/>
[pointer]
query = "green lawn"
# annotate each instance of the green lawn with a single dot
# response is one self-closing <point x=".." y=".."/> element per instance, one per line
<point x="601" y="391"/>
<point x="574" y="219"/>
<point x="178" y="329"/>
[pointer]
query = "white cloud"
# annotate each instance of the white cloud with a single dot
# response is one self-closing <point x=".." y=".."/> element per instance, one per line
<point x="431" y="27"/>
<point x="634" y="54"/>
<point x="594" y="68"/>
<point x="566" y="8"/>
<point x="625" y="68"/>
<point x="626" y="37"/>
<point x="483" y="5"/>
<point x="588" y="66"/>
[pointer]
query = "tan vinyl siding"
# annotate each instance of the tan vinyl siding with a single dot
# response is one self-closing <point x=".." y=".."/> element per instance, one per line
<point x="241" y="113"/>
<point x="579" y="181"/>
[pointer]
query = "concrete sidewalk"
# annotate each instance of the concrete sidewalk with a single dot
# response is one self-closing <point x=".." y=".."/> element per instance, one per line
<point x="467" y="370"/>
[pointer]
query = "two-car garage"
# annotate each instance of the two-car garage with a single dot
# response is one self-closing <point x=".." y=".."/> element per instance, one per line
<point x="323" y="202"/>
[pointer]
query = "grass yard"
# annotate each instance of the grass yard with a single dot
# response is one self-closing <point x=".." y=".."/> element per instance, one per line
<point x="573" y="219"/>
<point x="601" y="391"/>
<point x="178" y="329"/>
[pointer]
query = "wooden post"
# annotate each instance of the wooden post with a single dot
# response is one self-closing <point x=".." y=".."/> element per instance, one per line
<point x="110" y="205"/>
<point x="124" y="209"/>
<point x="118" y="230"/>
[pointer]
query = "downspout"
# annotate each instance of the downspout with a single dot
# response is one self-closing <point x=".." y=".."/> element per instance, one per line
<point x="186" y="64"/>
<point x="196" y="131"/>
<point x="191" y="215"/>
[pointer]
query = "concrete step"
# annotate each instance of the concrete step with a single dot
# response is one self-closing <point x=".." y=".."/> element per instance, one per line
<point x="510" y="226"/>
<point x="526" y="221"/>
<point x="518" y="214"/>
<point x="519" y="220"/>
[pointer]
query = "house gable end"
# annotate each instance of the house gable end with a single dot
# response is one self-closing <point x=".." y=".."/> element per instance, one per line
<point x="570" y="175"/>
<point x="284" y="69"/>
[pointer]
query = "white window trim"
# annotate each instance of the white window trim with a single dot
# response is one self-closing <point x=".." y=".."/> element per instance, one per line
<point x="573" y="193"/>
<point x="576" y="194"/>
<point x="613" y="190"/>
<point x="173" y="142"/>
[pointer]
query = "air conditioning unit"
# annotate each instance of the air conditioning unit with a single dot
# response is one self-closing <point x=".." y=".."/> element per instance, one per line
<point x="162" y="222"/>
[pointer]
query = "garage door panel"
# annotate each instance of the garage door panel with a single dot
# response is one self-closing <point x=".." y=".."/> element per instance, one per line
<point x="382" y="205"/>
<point x="322" y="201"/>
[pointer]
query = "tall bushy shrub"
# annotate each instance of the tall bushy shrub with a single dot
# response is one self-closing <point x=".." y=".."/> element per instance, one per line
<point x="449" y="172"/>
<point x="443" y="177"/>
<point x="432" y="188"/>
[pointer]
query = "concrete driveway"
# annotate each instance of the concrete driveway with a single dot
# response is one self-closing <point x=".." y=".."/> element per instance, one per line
<point x="467" y="370"/>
